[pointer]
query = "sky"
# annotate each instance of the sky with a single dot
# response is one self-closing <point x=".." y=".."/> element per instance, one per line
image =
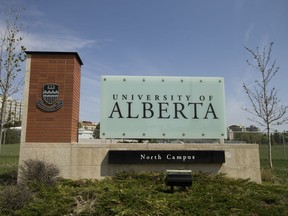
<point x="162" y="38"/>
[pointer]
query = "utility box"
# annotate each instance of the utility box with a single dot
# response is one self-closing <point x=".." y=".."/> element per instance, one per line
<point x="181" y="178"/>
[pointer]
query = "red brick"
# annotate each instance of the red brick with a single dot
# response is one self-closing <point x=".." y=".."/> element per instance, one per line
<point x="61" y="126"/>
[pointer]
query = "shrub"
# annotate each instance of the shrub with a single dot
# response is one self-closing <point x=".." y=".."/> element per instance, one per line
<point x="14" y="197"/>
<point x="39" y="172"/>
<point x="9" y="175"/>
<point x="267" y="176"/>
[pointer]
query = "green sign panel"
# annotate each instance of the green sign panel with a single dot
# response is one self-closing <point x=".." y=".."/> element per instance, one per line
<point x="162" y="107"/>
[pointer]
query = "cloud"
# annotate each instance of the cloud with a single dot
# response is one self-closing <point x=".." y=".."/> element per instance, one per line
<point x="234" y="112"/>
<point x="33" y="11"/>
<point x="248" y="33"/>
<point x="89" y="98"/>
<point x="44" y="36"/>
<point x="52" y="42"/>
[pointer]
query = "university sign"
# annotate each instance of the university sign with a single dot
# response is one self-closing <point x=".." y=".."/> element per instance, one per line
<point x="132" y="107"/>
<point x="162" y="107"/>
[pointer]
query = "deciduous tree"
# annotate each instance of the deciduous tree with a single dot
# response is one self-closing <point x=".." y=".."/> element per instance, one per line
<point x="11" y="56"/>
<point x="266" y="107"/>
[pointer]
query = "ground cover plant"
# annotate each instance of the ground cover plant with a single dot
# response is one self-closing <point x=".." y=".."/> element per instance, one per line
<point x="146" y="194"/>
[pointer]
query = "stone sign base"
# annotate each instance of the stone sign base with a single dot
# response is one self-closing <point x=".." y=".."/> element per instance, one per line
<point x="90" y="161"/>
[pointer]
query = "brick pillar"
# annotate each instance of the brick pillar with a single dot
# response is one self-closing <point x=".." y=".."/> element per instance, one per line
<point x="52" y="85"/>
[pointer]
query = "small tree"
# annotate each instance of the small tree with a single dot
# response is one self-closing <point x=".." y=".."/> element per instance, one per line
<point x="11" y="56"/>
<point x="96" y="132"/>
<point x="266" y="108"/>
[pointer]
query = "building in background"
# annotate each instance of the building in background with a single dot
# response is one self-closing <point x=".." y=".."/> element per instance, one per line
<point x="86" y="129"/>
<point x="88" y="125"/>
<point x="12" y="112"/>
<point x="85" y="134"/>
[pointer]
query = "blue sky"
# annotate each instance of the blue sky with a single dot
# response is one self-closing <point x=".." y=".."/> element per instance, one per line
<point x="162" y="38"/>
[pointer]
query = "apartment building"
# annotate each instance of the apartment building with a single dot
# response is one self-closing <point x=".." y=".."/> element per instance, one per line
<point x="12" y="110"/>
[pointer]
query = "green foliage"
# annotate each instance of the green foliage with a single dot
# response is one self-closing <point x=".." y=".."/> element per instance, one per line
<point x="11" y="136"/>
<point x="249" y="137"/>
<point x="146" y="194"/>
<point x="49" y="200"/>
<point x="96" y="132"/>
<point x="37" y="179"/>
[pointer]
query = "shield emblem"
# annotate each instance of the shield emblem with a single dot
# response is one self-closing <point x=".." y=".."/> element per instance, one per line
<point x="50" y="93"/>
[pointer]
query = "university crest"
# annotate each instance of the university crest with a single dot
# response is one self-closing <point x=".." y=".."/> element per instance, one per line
<point x="49" y="101"/>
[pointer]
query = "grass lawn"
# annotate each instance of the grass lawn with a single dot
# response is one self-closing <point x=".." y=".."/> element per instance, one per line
<point x="279" y="152"/>
<point x="10" y="150"/>
<point x="9" y="157"/>
<point x="279" y="173"/>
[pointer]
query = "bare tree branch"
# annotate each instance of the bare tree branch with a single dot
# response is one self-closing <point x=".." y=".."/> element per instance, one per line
<point x="263" y="98"/>
<point x="12" y="54"/>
